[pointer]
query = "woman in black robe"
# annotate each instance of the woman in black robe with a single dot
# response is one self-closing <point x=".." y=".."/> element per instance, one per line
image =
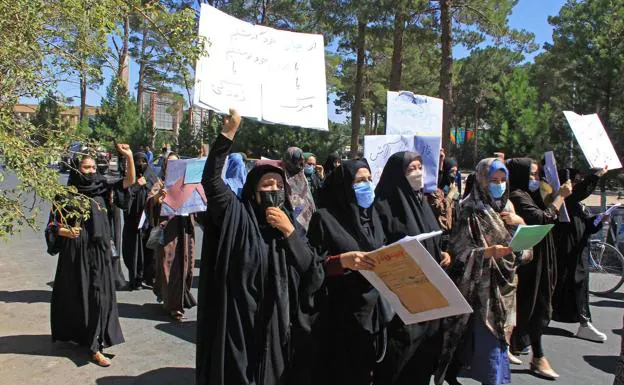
<point x="137" y="257"/>
<point x="571" y="296"/>
<point x="331" y="163"/>
<point x="352" y="321"/>
<point x="84" y="304"/>
<point x="413" y="350"/>
<point x="537" y="279"/>
<point x="257" y="276"/>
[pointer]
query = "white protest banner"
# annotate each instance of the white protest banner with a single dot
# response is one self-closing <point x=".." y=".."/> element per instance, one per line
<point x="410" y="114"/>
<point x="413" y="282"/>
<point x="270" y="75"/>
<point x="379" y="148"/>
<point x="552" y="177"/>
<point x="593" y="140"/>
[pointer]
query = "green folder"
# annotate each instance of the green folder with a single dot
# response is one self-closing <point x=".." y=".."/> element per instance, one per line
<point x="528" y="236"/>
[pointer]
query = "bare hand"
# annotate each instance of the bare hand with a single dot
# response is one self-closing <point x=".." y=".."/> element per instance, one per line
<point x="69" y="232"/>
<point x="442" y="157"/>
<point x="566" y="189"/>
<point x="231" y="123"/>
<point x="512" y="219"/>
<point x="124" y="150"/>
<point x="445" y="259"/>
<point x="498" y="251"/>
<point x="279" y="220"/>
<point x="357" y="260"/>
<point x="141" y="181"/>
<point x="320" y="171"/>
<point x="602" y="171"/>
<point x="161" y="196"/>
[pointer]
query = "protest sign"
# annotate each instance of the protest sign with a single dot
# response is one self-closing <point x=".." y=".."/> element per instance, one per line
<point x="593" y="140"/>
<point x="270" y="75"/>
<point x="410" y="114"/>
<point x="413" y="282"/>
<point x="182" y="198"/>
<point x="526" y="237"/>
<point x="552" y="177"/>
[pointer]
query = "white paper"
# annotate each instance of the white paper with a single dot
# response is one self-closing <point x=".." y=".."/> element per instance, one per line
<point x="552" y="177"/>
<point x="142" y="220"/>
<point x="593" y="140"/>
<point x="266" y="74"/>
<point x="379" y="148"/>
<point x="608" y="212"/>
<point x="435" y="275"/>
<point x="410" y="114"/>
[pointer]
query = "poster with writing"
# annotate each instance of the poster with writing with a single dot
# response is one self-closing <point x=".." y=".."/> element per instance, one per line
<point x="552" y="177"/>
<point x="182" y="198"/>
<point x="413" y="282"/>
<point x="410" y="114"/>
<point x="267" y="74"/>
<point x="379" y="148"/>
<point x="593" y="140"/>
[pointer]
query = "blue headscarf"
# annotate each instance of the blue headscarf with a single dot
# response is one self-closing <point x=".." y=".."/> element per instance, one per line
<point x="497" y="165"/>
<point x="236" y="173"/>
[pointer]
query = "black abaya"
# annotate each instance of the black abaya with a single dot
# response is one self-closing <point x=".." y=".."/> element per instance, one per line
<point x="413" y="350"/>
<point x="255" y="286"/>
<point x="84" y="304"/>
<point x="571" y="296"/>
<point x="352" y="322"/>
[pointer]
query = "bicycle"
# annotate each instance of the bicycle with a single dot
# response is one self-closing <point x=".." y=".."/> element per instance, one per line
<point x="606" y="267"/>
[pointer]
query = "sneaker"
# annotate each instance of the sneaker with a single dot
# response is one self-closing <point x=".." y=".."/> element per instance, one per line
<point x="523" y="352"/>
<point x="541" y="367"/>
<point x="513" y="359"/>
<point x="590" y="333"/>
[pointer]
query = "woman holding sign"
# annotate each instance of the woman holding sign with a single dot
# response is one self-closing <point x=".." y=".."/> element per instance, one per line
<point x="536" y="280"/>
<point x="353" y="320"/>
<point x="258" y="279"/>
<point x="413" y="350"/>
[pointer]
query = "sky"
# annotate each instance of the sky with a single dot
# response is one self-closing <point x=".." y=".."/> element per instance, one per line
<point x="530" y="15"/>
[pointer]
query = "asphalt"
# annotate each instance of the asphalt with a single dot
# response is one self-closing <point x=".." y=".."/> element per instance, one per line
<point x="160" y="352"/>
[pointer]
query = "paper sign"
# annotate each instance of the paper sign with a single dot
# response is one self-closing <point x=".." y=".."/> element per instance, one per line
<point x="552" y="177"/>
<point x="593" y="140"/>
<point x="182" y="199"/>
<point x="379" y="148"/>
<point x="413" y="282"/>
<point x="142" y="220"/>
<point x="410" y="114"/>
<point x="194" y="171"/>
<point x="608" y="212"/>
<point x="267" y="74"/>
<point x="526" y="237"/>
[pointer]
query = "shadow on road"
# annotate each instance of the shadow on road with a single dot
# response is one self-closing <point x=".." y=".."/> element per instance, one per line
<point x="162" y="376"/>
<point x="186" y="331"/>
<point x="147" y="311"/>
<point x="42" y="345"/>
<point x="551" y="331"/>
<point x="604" y="363"/>
<point x="26" y="296"/>
<point x="604" y="303"/>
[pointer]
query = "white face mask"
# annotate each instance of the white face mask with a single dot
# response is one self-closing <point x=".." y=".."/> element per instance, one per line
<point x="416" y="180"/>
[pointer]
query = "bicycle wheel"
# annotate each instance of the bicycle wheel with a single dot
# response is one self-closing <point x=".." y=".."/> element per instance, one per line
<point x="606" y="268"/>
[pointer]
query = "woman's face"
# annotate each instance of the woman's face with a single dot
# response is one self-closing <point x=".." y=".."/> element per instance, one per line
<point x="337" y="163"/>
<point x="362" y="175"/>
<point x="534" y="173"/>
<point x="271" y="181"/>
<point x="413" y="166"/>
<point x="142" y="163"/>
<point x="87" y="166"/>
<point x="498" y="177"/>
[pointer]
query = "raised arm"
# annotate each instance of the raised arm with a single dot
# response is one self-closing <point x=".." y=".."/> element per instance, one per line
<point x="217" y="192"/>
<point x="126" y="152"/>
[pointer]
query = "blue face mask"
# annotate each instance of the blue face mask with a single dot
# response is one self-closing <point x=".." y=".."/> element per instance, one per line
<point x="498" y="189"/>
<point x="364" y="194"/>
<point x="308" y="170"/>
<point x="534" y="185"/>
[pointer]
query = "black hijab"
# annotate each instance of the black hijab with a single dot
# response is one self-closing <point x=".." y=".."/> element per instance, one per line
<point x="329" y="163"/>
<point x="403" y="211"/>
<point x="519" y="174"/>
<point x="445" y="179"/>
<point x="95" y="187"/>
<point x="146" y="172"/>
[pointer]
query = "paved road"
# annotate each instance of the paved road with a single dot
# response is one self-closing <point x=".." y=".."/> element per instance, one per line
<point x="160" y="352"/>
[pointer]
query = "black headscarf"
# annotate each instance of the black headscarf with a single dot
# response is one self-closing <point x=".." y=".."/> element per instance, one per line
<point x="519" y="174"/>
<point x="329" y="163"/>
<point x="146" y="172"/>
<point x="95" y="187"/>
<point x="403" y="211"/>
<point x="445" y="178"/>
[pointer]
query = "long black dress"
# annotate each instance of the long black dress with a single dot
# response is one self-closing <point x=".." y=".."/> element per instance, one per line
<point x="84" y="302"/>
<point x="255" y="286"/>
<point x="413" y="350"/>
<point x="536" y="279"/>
<point x="571" y="296"/>
<point x="137" y="257"/>
<point x="352" y="321"/>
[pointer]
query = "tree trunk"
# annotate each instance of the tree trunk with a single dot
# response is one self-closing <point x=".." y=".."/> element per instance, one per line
<point x="397" y="50"/>
<point x="122" y="68"/>
<point x="356" y="110"/>
<point x="142" y="65"/>
<point x="446" y="69"/>
<point x="83" y="96"/>
<point x="476" y="136"/>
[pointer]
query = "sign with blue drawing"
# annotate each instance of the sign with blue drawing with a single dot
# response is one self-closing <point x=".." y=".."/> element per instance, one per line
<point x="194" y="171"/>
<point x="379" y="148"/>
<point x="183" y="198"/>
<point x="411" y="114"/>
